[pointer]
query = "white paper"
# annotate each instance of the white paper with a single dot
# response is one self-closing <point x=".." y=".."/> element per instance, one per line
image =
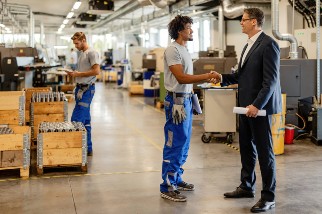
<point x="196" y="104"/>
<point x="242" y="110"/>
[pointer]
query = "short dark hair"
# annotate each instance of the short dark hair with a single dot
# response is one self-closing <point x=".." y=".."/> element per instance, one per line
<point x="255" y="13"/>
<point x="79" y="36"/>
<point x="178" y="24"/>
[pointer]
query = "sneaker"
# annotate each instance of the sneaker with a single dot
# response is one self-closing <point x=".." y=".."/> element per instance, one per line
<point x="183" y="186"/>
<point x="173" y="196"/>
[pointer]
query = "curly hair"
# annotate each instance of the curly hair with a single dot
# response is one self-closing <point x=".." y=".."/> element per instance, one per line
<point x="257" y="14"/>
<point x="178" y="24"/>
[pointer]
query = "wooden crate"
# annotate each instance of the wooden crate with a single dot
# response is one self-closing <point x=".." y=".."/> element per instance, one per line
<point x="28" y="93"/>
<point x="47" y="112"/>
<point x="12" y="107"/>
<point x="67" y="89"/>
<point x="56" y="149"/>
<point x="15" y="150"/>
<point x="136" y="89"/>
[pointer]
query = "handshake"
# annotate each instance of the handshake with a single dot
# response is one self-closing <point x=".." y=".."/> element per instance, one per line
<point x="214" y="77"/>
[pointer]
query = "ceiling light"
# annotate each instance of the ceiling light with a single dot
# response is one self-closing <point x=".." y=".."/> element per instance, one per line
<point x="62" y="26"/>
<point x="65" y="21"/>
<point x="70" y="15"/>
<point x="76" y="5"/>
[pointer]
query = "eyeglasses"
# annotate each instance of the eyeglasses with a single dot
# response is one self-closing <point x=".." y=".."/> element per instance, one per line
<point x="244" y="20"/>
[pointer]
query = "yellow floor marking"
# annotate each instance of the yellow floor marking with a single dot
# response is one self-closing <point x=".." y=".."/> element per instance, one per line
<point x="75" y="175"/>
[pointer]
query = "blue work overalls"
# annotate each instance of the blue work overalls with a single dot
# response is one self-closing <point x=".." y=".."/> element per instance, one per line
<point x="82" y="113"/>
<point x="177" y="142"/>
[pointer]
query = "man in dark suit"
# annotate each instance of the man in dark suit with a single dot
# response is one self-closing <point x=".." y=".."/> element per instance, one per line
<point x="258" y="81"/>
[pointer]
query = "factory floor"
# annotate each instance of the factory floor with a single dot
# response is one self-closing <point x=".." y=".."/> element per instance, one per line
<point x="124" y="171"/>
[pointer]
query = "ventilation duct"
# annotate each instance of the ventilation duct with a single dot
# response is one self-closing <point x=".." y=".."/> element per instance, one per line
<point x="285" y="37"/>
<point x="161" y="3"/>
<point x="234" y="10"/>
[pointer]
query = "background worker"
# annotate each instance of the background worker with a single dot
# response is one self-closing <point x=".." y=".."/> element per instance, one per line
<point x="85" y="76"/>
<point x="73" y="59"/>
<point x="178" y="79"/>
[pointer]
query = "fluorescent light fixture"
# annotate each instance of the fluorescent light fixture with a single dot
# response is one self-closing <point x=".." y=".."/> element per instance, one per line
<point x="2" y="25"/>
<point x="62" y="26"/>
<point x="70" y="15"/>
<point x="65" y="21"/>
<point x="76" y="5"/>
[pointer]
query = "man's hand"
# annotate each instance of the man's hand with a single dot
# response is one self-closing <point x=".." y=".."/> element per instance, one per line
<point x="252" y="111"/>
<point x="214" y="77"/>
<point x="72" y="73"/>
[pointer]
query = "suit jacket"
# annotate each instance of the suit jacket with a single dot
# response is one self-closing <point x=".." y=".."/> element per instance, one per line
<point x="259" y="77"/>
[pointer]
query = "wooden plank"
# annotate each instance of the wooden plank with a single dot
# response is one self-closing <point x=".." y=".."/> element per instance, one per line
<point x="45" y="118"/>
<point x="11" y="142"/>
<point x="12" y="158"/>
<point x="48" y="108"/>
<point x="62" y="156"/>
<point x="20" y="129"/>
<point x="10" y="117"/>
<point x="61" y="140"/>
<point x="10" y="100"/>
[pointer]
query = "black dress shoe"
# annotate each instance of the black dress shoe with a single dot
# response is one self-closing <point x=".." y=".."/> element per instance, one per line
<point x="240" y="193"/>
<point x="262" y="206"/>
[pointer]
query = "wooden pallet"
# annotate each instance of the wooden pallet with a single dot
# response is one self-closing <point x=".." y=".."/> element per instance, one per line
<point x="24" y="173"/>
<point x="136" y="89"/>
<point x="159" y="105"/>
<point x="61" y="149"/>
<point x="15" y="150"/>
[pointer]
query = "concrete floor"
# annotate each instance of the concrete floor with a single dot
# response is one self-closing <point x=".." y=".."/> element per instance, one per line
<point x="124" y="173"/>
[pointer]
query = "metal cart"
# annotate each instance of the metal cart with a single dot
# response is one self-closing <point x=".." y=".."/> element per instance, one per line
<point x="218" y="113"/>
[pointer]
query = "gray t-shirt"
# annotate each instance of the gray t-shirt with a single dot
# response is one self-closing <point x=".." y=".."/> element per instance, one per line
<point x="85" y="62"/>
<point x="177" y="54"/>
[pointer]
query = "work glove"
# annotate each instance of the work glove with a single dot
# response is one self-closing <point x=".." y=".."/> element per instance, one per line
<point x="79" y="94"/>
<point x="178" y="114"/>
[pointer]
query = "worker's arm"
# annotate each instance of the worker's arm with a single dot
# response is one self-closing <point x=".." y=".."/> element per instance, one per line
<point x="95" y="70"/>
<point x="182" y="78"/>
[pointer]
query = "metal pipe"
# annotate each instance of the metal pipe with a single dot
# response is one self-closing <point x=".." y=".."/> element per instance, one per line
<point x="31" y="29"/>
<point x="285" y="37"/>
<point x="318" y="13"/>
<point x="221" y="32"/>
<point x="232" y="10"/>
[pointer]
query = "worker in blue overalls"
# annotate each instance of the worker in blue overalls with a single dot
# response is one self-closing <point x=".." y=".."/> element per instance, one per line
<point x="178" y="79"/>
<point x="88" y="67"/>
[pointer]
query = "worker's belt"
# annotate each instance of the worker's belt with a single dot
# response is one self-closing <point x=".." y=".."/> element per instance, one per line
<point x="174" y="94"/>
<point x="84" y="84"/>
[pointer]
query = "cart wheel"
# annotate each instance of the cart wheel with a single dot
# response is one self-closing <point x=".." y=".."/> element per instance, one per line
<point x="230" y="138"/>
<point x="205" y="139"/>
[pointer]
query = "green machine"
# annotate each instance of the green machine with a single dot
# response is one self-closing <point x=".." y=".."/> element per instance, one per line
<point x="162" y="88"/>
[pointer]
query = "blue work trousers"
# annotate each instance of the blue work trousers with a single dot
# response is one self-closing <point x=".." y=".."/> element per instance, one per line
<point x="176" y="146"/>
<point x="82" y="112"/>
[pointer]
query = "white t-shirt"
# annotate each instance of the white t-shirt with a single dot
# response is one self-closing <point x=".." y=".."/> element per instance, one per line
<point x="177" y="54"/>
